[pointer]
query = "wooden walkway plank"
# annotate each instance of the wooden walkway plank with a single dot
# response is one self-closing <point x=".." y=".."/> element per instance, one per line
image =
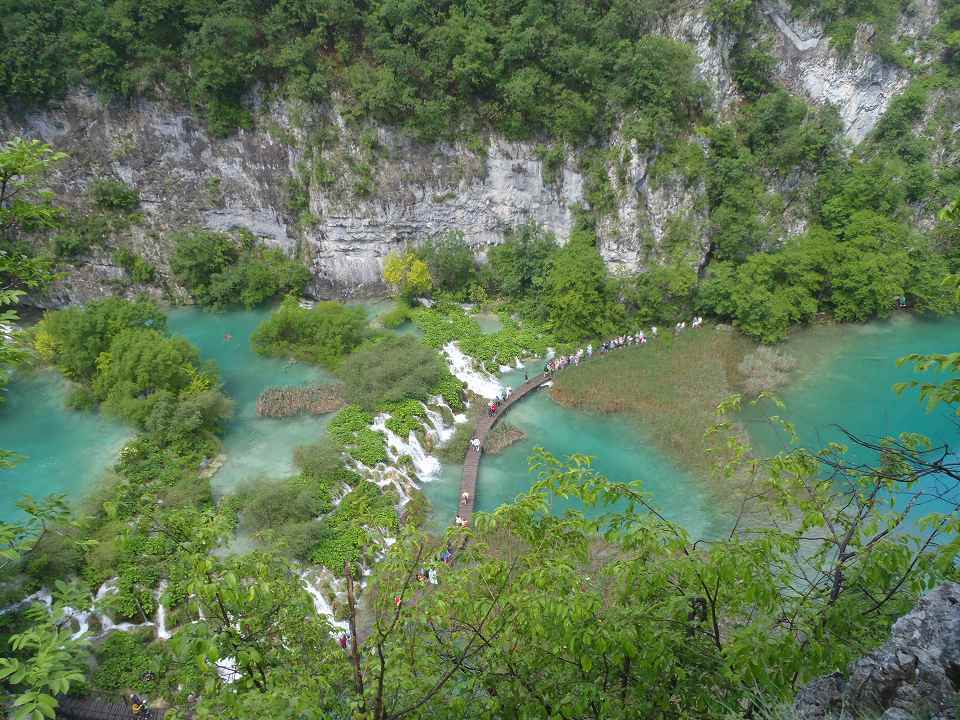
<point x="471" y="466"/>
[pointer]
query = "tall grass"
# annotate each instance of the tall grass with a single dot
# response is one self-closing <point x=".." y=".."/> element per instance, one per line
<point x="671" y="385"/>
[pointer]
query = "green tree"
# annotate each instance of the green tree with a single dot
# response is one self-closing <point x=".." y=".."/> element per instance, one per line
<point x="322" y="334"/>
<point x="393" y="369"/>
<point x="45" y="660"/>
<point x="408" y="274"/>
<point x="25" y="206"/>
<point x="519" y="265"/>
<point x="578" y="294"/>
<point x="450" y="262"/>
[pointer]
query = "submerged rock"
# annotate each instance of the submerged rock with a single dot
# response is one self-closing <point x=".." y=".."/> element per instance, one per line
<point x="916" y="674"/>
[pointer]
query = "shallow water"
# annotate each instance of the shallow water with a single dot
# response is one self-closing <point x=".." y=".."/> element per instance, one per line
<point x="845" y="378"/>
<point x="254" y="447"/>
<point x="618" y="446"/>
<point x="62" y="449"/>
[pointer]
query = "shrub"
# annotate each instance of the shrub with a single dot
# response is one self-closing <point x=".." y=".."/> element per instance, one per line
<point x="391" y="370"/>
<point x="322" y="334"/>
<point x="111" y="194"/>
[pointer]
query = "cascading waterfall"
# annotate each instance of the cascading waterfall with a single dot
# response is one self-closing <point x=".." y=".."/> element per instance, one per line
<point x="312" y="582"/>
<point x="477" y="381"/>
<point x="438" y="431"/>
<point x="162" y="632"/>
<point x="427" y="466"/>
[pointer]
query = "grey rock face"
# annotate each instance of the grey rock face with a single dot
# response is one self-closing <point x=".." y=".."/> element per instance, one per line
<point x="915" y="675"/>
<point x="361" y="204"/>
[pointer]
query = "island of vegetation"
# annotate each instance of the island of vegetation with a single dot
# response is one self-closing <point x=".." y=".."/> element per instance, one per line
<point x="331" y="591"/>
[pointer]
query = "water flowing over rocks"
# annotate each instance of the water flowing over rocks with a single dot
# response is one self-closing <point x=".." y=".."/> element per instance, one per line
<point x="915" y="674"/>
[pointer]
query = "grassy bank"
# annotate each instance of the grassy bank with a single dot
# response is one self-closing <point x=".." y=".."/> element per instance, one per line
<point x="671" y="385"/>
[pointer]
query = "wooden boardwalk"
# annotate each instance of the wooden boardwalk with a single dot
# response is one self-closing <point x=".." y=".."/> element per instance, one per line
<point x="471" y="466"/>
<point x="88" y="708"/>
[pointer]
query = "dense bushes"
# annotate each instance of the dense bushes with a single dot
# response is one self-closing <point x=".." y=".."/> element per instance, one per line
<point x="563" y="68"/>
<point x="219" y="271"/>
<point x="73" y="338"/>
<point x="391" y="370"/>
<point x="519" y="265"/>
<point x="322" y="334"/>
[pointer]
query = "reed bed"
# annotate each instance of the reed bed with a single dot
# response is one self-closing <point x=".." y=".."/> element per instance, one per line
<point x="671" y="385"/>
<point x="288" y="402"/>
<point x="502" y="436"/>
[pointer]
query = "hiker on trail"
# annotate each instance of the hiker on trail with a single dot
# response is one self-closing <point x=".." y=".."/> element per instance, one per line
<point x="653" y="330"/>
<point x="525" y="378"/>
<point x="397" y="600"/>
<point x="508" y="392"/>
<point x="458" y="521"/>
<point x="465" y="498"/>
<point x="137" y="706"/>
<point x="343" y="641"/>
<point x="227" y="337"/>
<point x="475" y="443"/>
<point x="432" y="576"/>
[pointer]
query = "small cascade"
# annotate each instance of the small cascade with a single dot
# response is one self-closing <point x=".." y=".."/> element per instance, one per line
<point x="517" y="364"/>
<point x="312" y="581"/>
<point x="41" y="596"/>
<point x="425" y="465"/>
<point x="477" y="381"/>
<point x="162" y="632"/>
<point x="439" y="432"/>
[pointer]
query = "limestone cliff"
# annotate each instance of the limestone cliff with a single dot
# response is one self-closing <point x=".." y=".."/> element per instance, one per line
<point x="915" y="675"/>
<point x="344" y="198"/>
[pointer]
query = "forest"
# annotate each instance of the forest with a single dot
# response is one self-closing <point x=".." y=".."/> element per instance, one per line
<point x="608" y="610"/>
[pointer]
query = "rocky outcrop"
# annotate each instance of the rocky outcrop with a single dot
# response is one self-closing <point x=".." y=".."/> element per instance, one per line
<point x="342" y="198"/>
<point x="915" y="675"/>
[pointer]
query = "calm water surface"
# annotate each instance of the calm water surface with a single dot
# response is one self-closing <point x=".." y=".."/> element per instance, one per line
<point x="845" y="378"/>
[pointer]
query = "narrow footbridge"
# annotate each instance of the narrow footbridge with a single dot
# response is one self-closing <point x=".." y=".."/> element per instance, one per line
<point x="471" y="466"/>
<point x="95" y="709"/>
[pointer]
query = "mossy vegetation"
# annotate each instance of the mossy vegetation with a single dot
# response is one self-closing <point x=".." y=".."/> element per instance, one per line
<point x="671" y="386"/>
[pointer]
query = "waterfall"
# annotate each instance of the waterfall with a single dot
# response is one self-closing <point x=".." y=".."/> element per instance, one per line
<point x="517" y="364"/>
<point x="477" y="381"/>
<point x="312" y="586"/>
<point x="162" y="632"/>
<point x="505" y="369"/>
<point x="426" y="465"/>
<point x="437" y="430"/>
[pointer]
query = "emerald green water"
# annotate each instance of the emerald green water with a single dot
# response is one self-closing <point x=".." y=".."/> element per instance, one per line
<point x="254" y="447"/>
<point x="62" y="450"/>
<point x="617" y="444"/>
<point x="845" y="377"/>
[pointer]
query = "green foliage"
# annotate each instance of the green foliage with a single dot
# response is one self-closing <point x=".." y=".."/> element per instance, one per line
<point x="77" y="336"/>
<point x="44" y="661"/>
<point x="663" y="294"/>
<point x="519" y="265"/>
<point x="267" y="504"/>
<point x="350" y="429"/>
<point x="450" y="261"/>
<point x="447" y="322"/>
<point x="396" y="317"/>
<point x="25" y="206"/>
<point x="140" y="270"/>
<point x="855" y="275"/>
<point x="405" y="417"/>
<point x="219" y="273"/>
<point x="578" y="294"/>
<point x="126" y="660"/>
<point x="110" y="194"/>
<point x="322" y="334"/>
<point x="389" y="370"/>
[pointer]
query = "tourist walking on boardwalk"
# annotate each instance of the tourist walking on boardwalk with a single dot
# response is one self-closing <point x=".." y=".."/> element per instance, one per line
<point x="465" y="497"/>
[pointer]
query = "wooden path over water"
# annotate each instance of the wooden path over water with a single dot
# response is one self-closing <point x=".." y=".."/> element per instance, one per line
<point x="89" y="708"/>
<point x="471" y="466"/>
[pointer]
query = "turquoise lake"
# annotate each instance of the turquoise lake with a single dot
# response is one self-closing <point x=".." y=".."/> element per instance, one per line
<point x="845" y="377"/>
